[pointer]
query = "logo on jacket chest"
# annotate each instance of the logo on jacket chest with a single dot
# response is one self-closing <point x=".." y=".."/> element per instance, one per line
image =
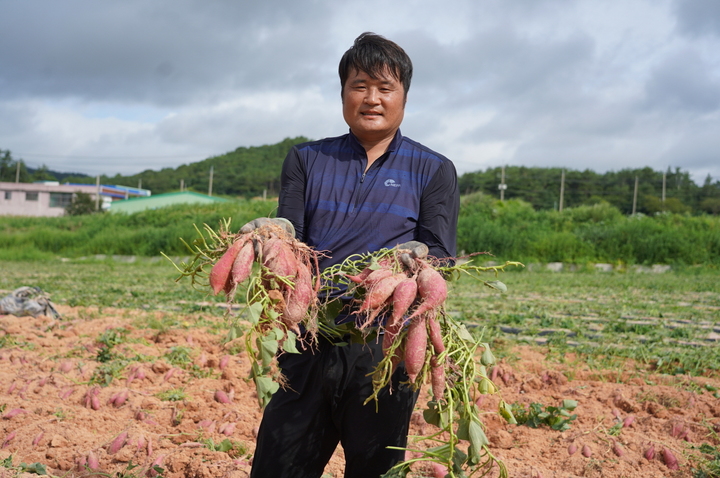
<point x="391" y="183"/>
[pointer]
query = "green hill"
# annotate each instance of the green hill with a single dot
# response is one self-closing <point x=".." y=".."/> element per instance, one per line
<point x="245" y="172"/>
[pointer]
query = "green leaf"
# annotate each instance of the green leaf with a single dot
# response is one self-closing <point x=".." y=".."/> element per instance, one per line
<point x="399" y="471"/>
<point x="463" y="429"/>
<point x="266" y="387"/>
<point x="234" y="333"/>
<point x="497" y="285"/>
<point x="477" y="441"/>
<point x="506" y="412"/>
<point x="570" y="404"/>
<point x="268" y="347"/>
<point x="289" y="344"/>
<point x="464" y="334"/>
<point x="37" y="468"/>
<point x="225" y="446"/>
<point x="431" y="414"/>
<point x="254" y="312"/>
<point x="477" y="435"/>
<point x="487" y="357"/>
<point x="486" y="386"/>
<point x="272" y="313"/>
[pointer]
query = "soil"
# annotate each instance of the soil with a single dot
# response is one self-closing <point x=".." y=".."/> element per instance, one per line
<point x="53" y="415"/>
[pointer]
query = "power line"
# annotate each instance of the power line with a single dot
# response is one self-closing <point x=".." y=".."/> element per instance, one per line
<point x="60" y="156"/>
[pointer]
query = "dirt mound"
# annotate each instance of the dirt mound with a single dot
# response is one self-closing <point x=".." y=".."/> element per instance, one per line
<point x="123" y="390"/>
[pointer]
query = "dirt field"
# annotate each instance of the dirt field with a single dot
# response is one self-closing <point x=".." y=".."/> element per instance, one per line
<point x="55" y="416"/>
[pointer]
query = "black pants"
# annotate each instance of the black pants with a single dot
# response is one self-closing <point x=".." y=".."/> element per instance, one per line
<point x="322" y="405"/>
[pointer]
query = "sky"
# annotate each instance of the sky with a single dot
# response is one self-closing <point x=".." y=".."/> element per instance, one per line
<point x="124" y="86"/>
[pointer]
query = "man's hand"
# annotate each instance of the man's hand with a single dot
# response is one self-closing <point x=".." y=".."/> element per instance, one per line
<point x="262" y="221"/>
<point x="411" y="250"/>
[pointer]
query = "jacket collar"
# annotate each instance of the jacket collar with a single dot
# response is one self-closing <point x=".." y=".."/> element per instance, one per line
<point x="393" y="146"/>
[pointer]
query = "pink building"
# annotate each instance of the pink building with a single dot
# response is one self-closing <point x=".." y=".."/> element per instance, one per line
<point x="42" y="199"/>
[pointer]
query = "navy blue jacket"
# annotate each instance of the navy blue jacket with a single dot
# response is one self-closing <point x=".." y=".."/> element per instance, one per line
<point x="409" y="193"/>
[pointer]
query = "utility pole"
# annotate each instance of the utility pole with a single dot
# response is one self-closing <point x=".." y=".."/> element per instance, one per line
<point x="562" y="190"/>
<point x="139" y="183"/>
<point x="17" y="172"/>
<point x="182" y="185"/>
<point x="210" y="182"/>
<point x="502" y="186"/>
<point x="97" y="193"/>
<point x="663" y="190"/>
<point x="635" y="196"/>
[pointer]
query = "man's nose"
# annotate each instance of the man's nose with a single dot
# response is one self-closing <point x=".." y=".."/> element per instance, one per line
<point x="372" y="97"/>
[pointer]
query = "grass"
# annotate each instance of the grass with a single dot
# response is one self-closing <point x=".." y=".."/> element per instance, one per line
<point x="666" y="322"/>
<point x="102" y="284"/>
<point x="662" y="322"/>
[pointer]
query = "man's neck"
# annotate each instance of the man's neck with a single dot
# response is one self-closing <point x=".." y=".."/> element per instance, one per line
<point x="375" y="148"/>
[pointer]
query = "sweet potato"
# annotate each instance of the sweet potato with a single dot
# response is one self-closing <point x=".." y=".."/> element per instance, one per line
<point x="650" y="453"/>
<point x="300" y="298"/>
<point x="279" y="258"/>
<point x="92" y="461"/>
<point x="221" y="270"/>
<point x="380" y="292"/>
<point x="360" y="278"/>
<point x="415" y="346"/>
<point x="10" y="437"/>
<point x="432" y="290"/>
<point x="437" y="378"/>
<point x="117" y="443"/>
<point x="402" y="298"/>
<point x="224" y="361"/>
<point x="13" y="413"/>
<point x="617" y="449"/>
<point x="375" y="276"/>
<point x="222" y="397"/>
<point x="586" y="451"/>
<point x="435" y="335"/>
<point x="670" y="460"/>
<point x="242" y="265"/>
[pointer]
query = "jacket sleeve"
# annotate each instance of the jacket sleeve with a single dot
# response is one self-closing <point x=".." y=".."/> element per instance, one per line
<point x="439" y="206"/>
<point x="291" y="203"/>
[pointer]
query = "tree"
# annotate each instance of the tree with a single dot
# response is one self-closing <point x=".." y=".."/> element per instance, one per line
<point x="7" y="166"/>
<point x="81" y="204"/>
<point x="43" y="174"/>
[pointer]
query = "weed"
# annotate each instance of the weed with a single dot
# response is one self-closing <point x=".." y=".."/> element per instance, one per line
<point x="179" y="355"/>
<point x="60" y="414"/>
<point x="231" y="447"/>
<point x="557" y="418"/>
<point x="113" y="337"/>
<point x="173" y="395"/>
<point x="661" y="399"/>
<point x="32" y="468"/>
<point x="104" y="374"/>
<point x="708" y="463"/>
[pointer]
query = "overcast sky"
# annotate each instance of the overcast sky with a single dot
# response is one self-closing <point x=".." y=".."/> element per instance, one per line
<point x="124" y="86"/>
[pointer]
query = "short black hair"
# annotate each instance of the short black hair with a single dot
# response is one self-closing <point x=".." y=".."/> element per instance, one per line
<point x="373" y="54"/>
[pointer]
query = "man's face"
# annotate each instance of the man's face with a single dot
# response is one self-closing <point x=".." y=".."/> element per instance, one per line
<point x="373" y="108"/>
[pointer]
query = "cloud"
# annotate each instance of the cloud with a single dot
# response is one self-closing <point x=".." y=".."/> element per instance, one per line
<point x="698" y="17"/>
<point x="125" y="86"/>
<point x="166" y="53"/>
<point x="684" y="81"/>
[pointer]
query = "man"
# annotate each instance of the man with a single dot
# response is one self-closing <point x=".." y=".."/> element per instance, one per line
<point x="369" y="189"/>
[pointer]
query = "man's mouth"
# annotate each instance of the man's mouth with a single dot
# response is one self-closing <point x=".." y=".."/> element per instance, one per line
<point x="371" y="113"/>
